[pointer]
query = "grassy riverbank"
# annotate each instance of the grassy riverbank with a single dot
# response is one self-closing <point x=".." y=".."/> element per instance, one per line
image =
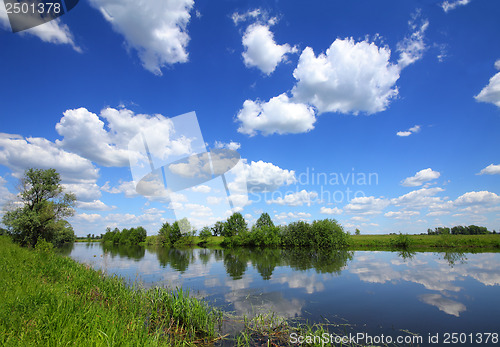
<point x="463" y="242"/>
<point x="52" y="300"/>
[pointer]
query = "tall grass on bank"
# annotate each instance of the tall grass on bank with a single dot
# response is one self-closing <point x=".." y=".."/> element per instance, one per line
<point x="47" y="299"/>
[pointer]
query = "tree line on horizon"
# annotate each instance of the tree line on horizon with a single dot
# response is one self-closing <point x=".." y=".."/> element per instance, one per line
<point x="460" y="230"/>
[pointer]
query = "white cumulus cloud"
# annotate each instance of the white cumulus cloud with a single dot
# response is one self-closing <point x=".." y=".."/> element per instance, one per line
<point x="491" y="93"/>
<point x="261" y="50"/>
<point x="279" y="115"/>
<point x="412" y="130"/>
<point x="366" y="205"/>
<point x="96" y="205"/>
<point x="19" y="153"/>
<point x="418" y="199"/>
<point x="420" y="178"/>
<point x="156" y="29"/>
<point x="490" y="170"/>
<point x="351" y="77"/>
<point x="327" y="210"/>
<point x="401" y="214"/>
<point x="86" y="134"/>
<point x="477" y="198"/>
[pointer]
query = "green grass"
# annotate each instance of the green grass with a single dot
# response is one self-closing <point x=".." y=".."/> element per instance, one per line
<point x="48" y="299"/>
<point x="491" y="241"/>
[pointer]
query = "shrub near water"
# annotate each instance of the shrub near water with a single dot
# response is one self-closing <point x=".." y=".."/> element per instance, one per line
<point x="401" y="241"/>
<point x="326" y="233"/>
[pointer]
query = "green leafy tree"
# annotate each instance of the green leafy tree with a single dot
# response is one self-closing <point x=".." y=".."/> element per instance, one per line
<point x="358" y="232"/>
<point x="137" y="235"/>
<point x="44" y="205"/>
<point x="218" y="228"/>
<point x="264" y="220"/>
<point x="175" y="233"/>
<point x="235" y="225"/>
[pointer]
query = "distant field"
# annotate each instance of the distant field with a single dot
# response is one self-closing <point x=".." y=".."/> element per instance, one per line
<point x="428" y="241"/>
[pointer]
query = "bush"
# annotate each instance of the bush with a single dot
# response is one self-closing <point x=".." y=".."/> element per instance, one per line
<point x="327" y="233"/>
<point x="401" y="241"/>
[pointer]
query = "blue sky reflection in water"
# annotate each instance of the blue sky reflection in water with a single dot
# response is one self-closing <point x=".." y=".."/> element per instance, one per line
<point x="377" y="292"/>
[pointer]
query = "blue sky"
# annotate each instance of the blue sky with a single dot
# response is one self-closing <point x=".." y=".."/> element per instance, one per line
<point x="402" y="96"/>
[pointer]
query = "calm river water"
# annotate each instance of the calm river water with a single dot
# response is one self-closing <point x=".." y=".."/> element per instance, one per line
<point x="373" y="292"/>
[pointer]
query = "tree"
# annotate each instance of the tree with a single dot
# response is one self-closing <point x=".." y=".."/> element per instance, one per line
<point x="137" y="235"/>
<point x="358" y="232"/>
<point x="43" y="206"/>
<point x="235" y="224"/>
<point x="170" y="233"/>
<point x="264" y="220"/>
<point x="218" y="228"/>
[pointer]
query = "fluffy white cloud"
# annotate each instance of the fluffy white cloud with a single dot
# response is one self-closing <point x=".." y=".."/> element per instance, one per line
<point x="401" y="214"/>
<point x="89" y="218"/>
<point x="96" y="205"/>
<point x="490" y="170"/>
<point x="453" y="4"/>
<point x="261" y="50"/>
<point x="420" y="178"/>
<point x="366" y="205"/>
<point x="412" y="130"/>
<point x="295" y="199"/>
<point x="261" y="176"/>
<point x="351" y="77"/>
<point x="477" y="198"/>
<point x="418" y="199"/>
<point x="471" y="204"/>
<point x="326" y="210"/>
<point x="125" y="187"/>
<point x="84" y="191"/>
<point x="491" y="93"/>
<point x="52" y="32"/>
<point x="18" y="153"/>
<point x="156" y="29"/>
<point x="412" y="47"/>
<point x="86" y="134"/>
<point x="279" y="115"/>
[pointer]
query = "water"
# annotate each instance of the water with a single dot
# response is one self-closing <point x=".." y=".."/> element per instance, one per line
<point x="373" y="292"/>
